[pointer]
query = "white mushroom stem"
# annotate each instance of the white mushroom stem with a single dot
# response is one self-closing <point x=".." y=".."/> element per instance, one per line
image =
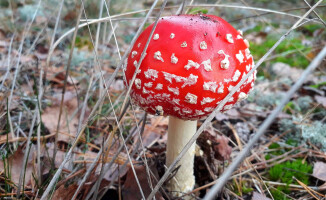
<point x="179" y="133"/>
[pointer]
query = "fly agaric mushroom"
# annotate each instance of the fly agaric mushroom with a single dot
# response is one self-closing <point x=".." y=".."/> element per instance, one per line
<point x="191" y="64"/>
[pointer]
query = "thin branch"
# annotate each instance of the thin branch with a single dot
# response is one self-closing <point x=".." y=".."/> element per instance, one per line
<point x="316" y="14"/>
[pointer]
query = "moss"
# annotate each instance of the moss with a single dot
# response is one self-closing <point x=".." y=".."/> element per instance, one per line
<point x="318" y="85"/>
<point x="310" y="28"/>
<point x="278" y="195"/>
<point x="287" y="50"/>
<point x="285" y="172"/>
<point x="245" y="189"/>
<point x="198" y="11"/>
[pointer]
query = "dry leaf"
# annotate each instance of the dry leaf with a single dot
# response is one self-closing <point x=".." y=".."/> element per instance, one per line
<point x="321" y="100"/>
<point x="3" y="43"/>
<point x="222" y="149"/>
<point x="320" y="170"/>
<point x="15" y="162"/>
<point x="65" y="193"/>
<point x="322" y="187"/>
<point x="216" y="146"/>
<point x="68" y="124"/>
<point x="131" y="190"/>
<point x="117" y="85"/>
<point x="157" y="128"/>
<point x="258" y="196"/>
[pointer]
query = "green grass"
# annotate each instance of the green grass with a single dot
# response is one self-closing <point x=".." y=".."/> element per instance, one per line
<point x="292" y="45"/>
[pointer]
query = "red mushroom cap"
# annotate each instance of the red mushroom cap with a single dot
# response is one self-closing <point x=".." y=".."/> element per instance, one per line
<point x="191" y="64"/>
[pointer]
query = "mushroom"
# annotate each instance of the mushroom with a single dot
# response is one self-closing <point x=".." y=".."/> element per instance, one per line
<point x="191" y="64"/>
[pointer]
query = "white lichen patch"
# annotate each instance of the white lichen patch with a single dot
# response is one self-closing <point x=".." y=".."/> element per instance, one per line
<point x="248" y="67"/>
<point x="135" y="63"/>
<point x="138" y="71"/>
<point x="176" y="101"/>
<point x="149" y="84"/>
<point x="220" y="89"/>
<point x="172" y="35"/>
<point x="138" y="45"/>
<point x="174" y="59"/>
<point x="175" y="108"/>
<point x="133" y="54"/>
<point x="239" y="37"/>
<point x="174" y="90"/>
<point x="199" y="112"/>
<point x="191" y="98"/>
<point x="210" y="86"/>
<point x="151" y="74"/>
<point x="191" y="80"/>
<point x="230" y="88"/>
<point x="159" y="86"/>
<point x="156" y="36"/>
<point x="236" y="76"/>
<point x="203" y="45"/>
<point x="138" y="83"/>
<point x="229" y="38"/>
<point x="242" y="96"/>
<point x="225" y="63"/>
<point x="191" y="64"/>
<point x="158" y="56"/>
<point x="239" y="56"/>
<point x="246" y="43"/>
<point x="184" y="44"/>
<point x="209" y="109"/>
<point x="207" y="65"/>
<point x="207" y="100"/>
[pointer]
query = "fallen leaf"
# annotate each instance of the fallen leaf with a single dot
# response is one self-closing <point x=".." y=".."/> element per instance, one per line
<point x="130" y="189"/>
<point x="69" y="120"/>
<point x="322" y="187"/>
<point x="320" y="170"/>
<point x="114" y="171"/>
<point x="47" y="154"/>
<point x="3" y="43"/>
<point x="321" y="100"/>
<point x="222" y="149"/>
<point x="258" y="196"/>
<point x="155" y="130"/>
<point x="15" y="163"/>
<point x="216" y="146"/>
<point x="63" y="192"/>
<point x="117" y="85"/>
